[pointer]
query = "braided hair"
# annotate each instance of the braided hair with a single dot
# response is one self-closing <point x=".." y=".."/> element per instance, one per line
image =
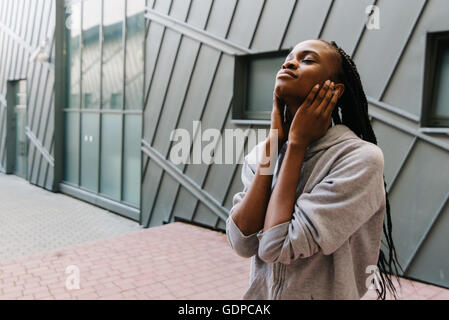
<point x="353" y="106"/>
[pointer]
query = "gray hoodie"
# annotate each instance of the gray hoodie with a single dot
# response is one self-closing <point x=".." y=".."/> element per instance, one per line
<point x="329" y="249"/>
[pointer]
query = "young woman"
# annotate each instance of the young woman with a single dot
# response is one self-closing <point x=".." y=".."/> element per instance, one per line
<point x="314" y="227"/>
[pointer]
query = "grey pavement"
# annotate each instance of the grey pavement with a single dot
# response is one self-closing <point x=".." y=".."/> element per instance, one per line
<point x="34" y="220"/>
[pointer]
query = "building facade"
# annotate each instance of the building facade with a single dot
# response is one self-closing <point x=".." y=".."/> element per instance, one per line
<point x="91" y="92"/>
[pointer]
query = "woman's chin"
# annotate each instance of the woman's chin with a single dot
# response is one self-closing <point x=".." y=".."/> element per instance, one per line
<point x="282" y="91"/>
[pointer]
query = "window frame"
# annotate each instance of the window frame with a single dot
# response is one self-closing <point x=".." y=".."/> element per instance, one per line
<point x="435" y="42"/>
<point x="240" y="115"/>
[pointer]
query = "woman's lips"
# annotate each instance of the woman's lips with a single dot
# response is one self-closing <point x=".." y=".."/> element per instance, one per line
<point x="287" y="73"/>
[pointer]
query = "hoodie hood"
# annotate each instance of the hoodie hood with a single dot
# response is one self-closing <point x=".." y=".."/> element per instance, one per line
<point x="334" y="135"/>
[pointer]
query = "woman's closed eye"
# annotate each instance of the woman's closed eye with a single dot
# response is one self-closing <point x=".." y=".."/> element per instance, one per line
<point x="308" y="60"/>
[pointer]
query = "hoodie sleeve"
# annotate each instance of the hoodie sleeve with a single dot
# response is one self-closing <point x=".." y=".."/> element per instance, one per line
<point x="244" y="246"/>
<point x="336" y="208"/>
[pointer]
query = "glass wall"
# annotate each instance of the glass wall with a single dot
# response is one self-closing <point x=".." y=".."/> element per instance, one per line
<point x="104" y="97"/>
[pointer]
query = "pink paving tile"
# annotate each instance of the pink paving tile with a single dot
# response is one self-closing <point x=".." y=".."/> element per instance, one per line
<point x="174" y="261"/>
<point x="444" y="295"/>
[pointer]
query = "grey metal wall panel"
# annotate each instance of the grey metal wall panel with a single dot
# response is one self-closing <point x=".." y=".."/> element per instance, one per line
<point x="395" y="145"/>
<point x="272" y="25"/>
<point x="221" y="16"/>
<point x="372" y="61"/>
<point x="175" y="95"/>
<point x="202" y="80"/>
<point x="43" y="106"/>
<point x="417" y="194"/>
<point x="245" y="21"/>
<point x="164" y="202"/>
<point x="46" y="128"/>
<point x="409" y="73"/>
<point x="23" y="26"/>
<point x="160" y="82"/>
<point x="199" y="13"/>
<point x="431" y="259"/>
<point x="180" y="9"/>
<point x="152" y="46"/>
<point x="307" y="20"/>
<point x="213" y="117"/>
<point x="345" y="22"/>
<point x="163" y="6"/>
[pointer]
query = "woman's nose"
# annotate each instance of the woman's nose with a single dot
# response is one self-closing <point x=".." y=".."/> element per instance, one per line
<point x="289" y="65"/>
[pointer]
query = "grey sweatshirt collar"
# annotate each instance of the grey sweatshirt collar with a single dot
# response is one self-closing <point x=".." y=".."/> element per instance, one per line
<point x="334" y="135"/>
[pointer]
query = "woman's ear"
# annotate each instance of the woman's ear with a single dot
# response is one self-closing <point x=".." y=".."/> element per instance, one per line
<point x="341" y="88"/>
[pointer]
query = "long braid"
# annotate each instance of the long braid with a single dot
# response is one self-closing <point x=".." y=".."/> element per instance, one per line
<point x="353" y="106"/>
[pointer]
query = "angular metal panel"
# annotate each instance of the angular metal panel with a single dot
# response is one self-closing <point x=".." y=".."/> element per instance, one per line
<point x="220" y="17"/>
<point x="307" y="21"/>
<point x="396" y="21"/>
<point x="409" y="73"/>
<point x="202" y="80"/>
<point x="244" y="24"/>
<point x="213" y="117"/>
<point x="418" y="192"/>
<point x="23" y="27"/>
<point x="199" y="13"/>
<point x="345" y="22"/>
<point x="432" y="260"/>
<point x="272" y="25"/>
<point x="394" y="144"/>
<point x="160" y="82"/>
<point x="175" y="94"/>
<point x="180" y="9"/>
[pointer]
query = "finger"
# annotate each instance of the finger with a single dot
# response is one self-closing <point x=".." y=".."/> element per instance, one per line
<point x="322" y="107"/>
<point x="310" y="97"/>
<point x="332" y="103"/>
<point x="321" y="94"/>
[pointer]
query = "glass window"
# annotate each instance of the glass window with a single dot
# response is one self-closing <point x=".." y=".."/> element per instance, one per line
<point x="442" y="83"/>
<point x="135" y="33"/>
<point x="71" y="147"/>
<point x="111" y="136"/>
<point x="261" y="80"/>
<point x="89" y="151"/>
<point x="113" y="15"/>
<point x="73" y="32"/>
<point x="91" y="52"/>
<point x="131" y="159"/>
<point x="255" y="77"/>
<point x="435" y="112"/>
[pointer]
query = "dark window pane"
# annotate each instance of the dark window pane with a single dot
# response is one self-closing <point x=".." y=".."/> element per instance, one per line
<point x="261" y="80"/>
<point x="442" y="83"/>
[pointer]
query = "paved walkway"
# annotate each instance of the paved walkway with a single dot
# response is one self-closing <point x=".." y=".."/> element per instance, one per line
<point x="34" y="220"/>
<point x="48" y="239"/>
<point x="174" y="261"/>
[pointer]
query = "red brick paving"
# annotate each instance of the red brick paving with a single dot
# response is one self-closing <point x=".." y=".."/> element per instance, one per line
<point x="174" y="261"/>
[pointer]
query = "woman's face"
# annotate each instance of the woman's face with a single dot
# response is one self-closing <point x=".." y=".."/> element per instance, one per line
<point x="309" y="63"/>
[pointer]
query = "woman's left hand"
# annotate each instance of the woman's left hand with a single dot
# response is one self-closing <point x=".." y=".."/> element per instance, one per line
<point x="314" y="116"/>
